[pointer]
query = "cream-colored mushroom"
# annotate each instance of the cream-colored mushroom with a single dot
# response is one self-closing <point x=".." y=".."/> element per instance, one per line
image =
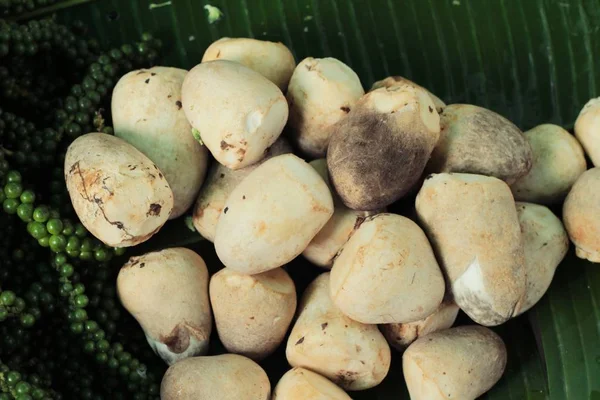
<point x="272" y="215"/>
<point x="395" y="80"/>
<point x="118" y="193"/>
<point x="458" y="363"/>
<point x="355" y="356"/>
<point x="147" y="113"/>
<point x="252" y="312"/>
<point x="325" y="246"/>
<point x="223" y="377"/>
<point x="546" y="243"/>
<point x="378" y="152"/>
<point x="235" y="111"/>
<point x="587" y="129"/>
<point x="400" y="336"/>
<point x="303" y="384"/>
<point x="476" y="140"/>
<point x="273" y="60"/>
<point x="219" y="184"/>
<point x="321" y="92"/>
<point x="167" y="293"/>
<point x="473" y="225"/>
<point x="558" y="161"/>
<point x="581" y="215"/>
<point x="387" y="273"/>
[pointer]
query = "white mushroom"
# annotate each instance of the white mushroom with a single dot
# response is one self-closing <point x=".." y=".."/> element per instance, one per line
<point x="355" y="356"/>
<point x="387" y="273"/>
<point x="581" y="215"/>
<point x="321" y="92"/>
<point x="147" y="113"/>
<point x="272" y="215"/>
<point x="167" y="293"/>
<point x="546" y="243"/>
<point x="273" y="60"/>
<point x="219" y="184"/>
<point x="587" y="129"/>
<point x="473" y="226"/>
<point x="458" y="363"/>
<point x="558" y="161"/>
<point x="235" y="111"/>
<point x="303" y="384"/>
<point x="119" y="195"/>
<point x="400" y="80"/>
<point x="252" y="312"/>
<point x="400" y="336"/>
<point x="223" y="377"/>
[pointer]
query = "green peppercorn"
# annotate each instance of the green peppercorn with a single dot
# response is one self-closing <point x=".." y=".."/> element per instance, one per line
<point x="27" y="197"/>
<point x="10" y="206"/>
<point x="25" y="212"/>
<point x="41" y="214"/>
<point x="66" y="270"/>
<point x="27" y="320"/>
<point x="13" y="190"/>
<point x="55" y="226"/>
<point x="7" y="298"/>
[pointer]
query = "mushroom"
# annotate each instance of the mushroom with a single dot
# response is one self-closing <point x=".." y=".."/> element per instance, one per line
<point x="400" y="80"/>
<point x="119" y="195"/>
<point x="272" y="215"/>
<point x="545" y="243"/>
<point x="273" y="60"/>
<point x="473" y="225"/>
<point x="479" y="141"/>
<point x="236" y="112"/>
<point x="167" y="293"/>
<point x="457" y="363"/>
<point x="377" y="153"/>
<point x="147" y="113"/>
<point x="581" y="215"/>
<point x="219" y="184"/>
<point x="321" y="92"/>
<point x="223" y="377"/>
<point x="558" y="161"/>
<point x="587" y="129"/>
<point x="354" y="356"/>
<point x="303" y="384"/>
<point x="387" y="273"/>
<point x="252" y="312"/>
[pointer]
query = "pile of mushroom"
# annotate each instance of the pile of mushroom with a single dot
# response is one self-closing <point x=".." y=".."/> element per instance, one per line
<point x="305" y="163"/>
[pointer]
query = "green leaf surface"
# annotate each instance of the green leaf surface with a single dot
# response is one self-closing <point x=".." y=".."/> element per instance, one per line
<point x="533" y="61"/>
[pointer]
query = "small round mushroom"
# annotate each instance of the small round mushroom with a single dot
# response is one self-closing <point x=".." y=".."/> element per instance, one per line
<point x="223" y="377"/>
<point x="546" y="243"/>
<point x="303" y="384"/>
<point x="387" y="273"/>
<point x="273" y="60"/>
<point x="272" y="215"/>
<point x="326" y="245"/>
<point x="252" y="312"/>
<point x="118" y="193"/>
<point x="354" y="356"/>
<point x="558" y="160"/>
<point x="473" y="226"/>
<point x="321" y="92"/>
<point x="581" y="215"/>
<point x="219" y="184"/>
<point x="395" y="80"/>
<point x="147" y="113"/>
<point x="587" y="129"/>
<point x="400" y="336"/>
<point x="458" y="363"/>
<point x="479" y="141"/>
<point x="236" y="112"/>
<point x="379" y="151"/>
<point x="167" y="293"/>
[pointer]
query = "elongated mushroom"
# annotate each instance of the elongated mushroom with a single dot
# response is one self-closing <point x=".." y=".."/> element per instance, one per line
<point x="303" y="384"/>
<point x="587" y="129"/>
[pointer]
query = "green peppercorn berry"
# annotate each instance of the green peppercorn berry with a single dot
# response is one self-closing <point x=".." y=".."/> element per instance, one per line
<point x="8" y="298"/>
<point x="73" y="129"/>
<point x="80" y="315"/>
<point x="87" y="244"/>
<point x="124" y="370"/>
<point x="102" y="358"/>
<point x="80" y="230"/>
<point x="37" y="393"/>
<point x="10" y="206"/>
<point x="99" y="335"/>
<point x="113" y="363"/>
<point x="12" y="378"/>
<point x="103" y="60"/>
<point x="44" y="241"/>
<point x="119" y="251"/>
<point x="81" y="301"/>
<point x="57" y="243"/>
<point x="3" y="313"/>
<point x="77" y="91"/>
<point x="101" y="255"/>
<point x="91" y="326"/>
<point x="37" y="229"/>
<point x="67" y="270"/>
<point x="76" y="327"/>
<point x="89" y="347"/>
<point x="19" y="304"/>
<point x="78" y="289"/>
<point x="13" y="190"/>
<point x="71" y="104"/>
<point x="27" y="197"/>
<point x="27" y="320"/>
<point x="41" y="214"/>
<point x="86" y="255"/>
<point x="25" y="212"/>
<point x="82" y="118"/>
<point x="55" y="226"/>
<point x="68" y="228"/>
